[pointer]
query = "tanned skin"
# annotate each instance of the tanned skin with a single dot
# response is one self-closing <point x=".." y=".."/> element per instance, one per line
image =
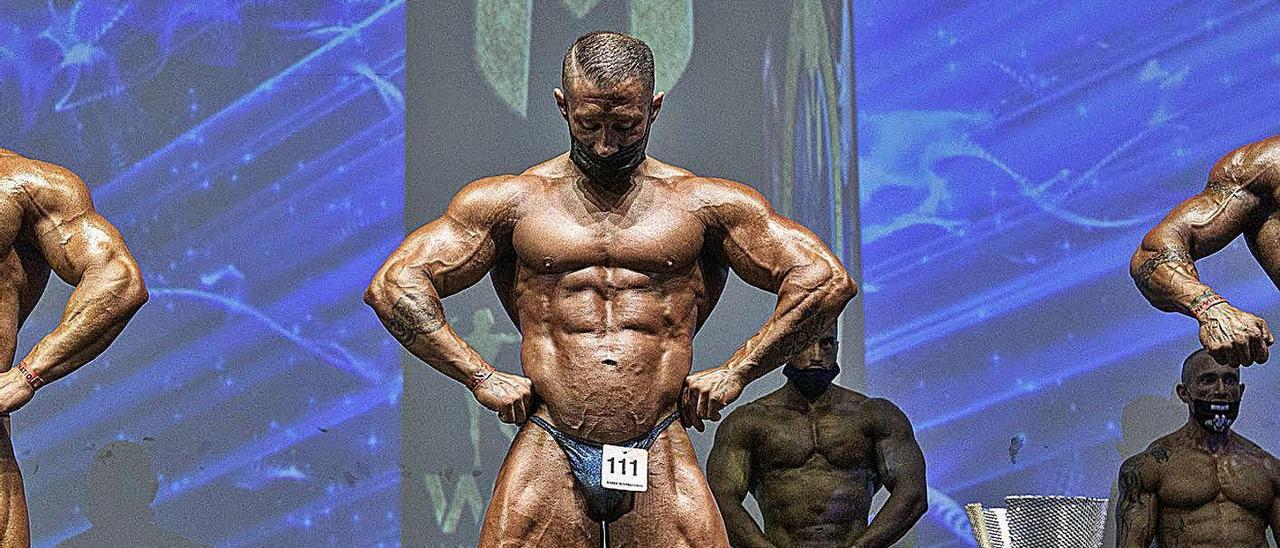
<point x="608" y="283"/>
<point x="1240" y="199"/>
<point x="814" y="466"/>
<point x="47" y="222"/>
<point x="1197" y="488"/>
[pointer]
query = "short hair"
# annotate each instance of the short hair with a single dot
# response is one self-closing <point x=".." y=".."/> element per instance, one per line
<point x="1191" y="365"/>
<point x="608" y="58"/>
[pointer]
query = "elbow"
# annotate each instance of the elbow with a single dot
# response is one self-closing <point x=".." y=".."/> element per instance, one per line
<point x="919" y="507"/>
<point x="135" y="295"/>
<point x="841" y="287"/>
<point x="376" y="294"/>
<point x="130" y="292"/>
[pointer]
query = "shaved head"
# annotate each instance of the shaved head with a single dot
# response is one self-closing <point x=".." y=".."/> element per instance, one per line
<point x="1195" y="363"/>
<point x="607" y="58"/>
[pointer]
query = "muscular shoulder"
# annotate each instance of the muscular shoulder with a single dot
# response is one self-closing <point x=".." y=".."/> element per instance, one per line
<point x="742" y="422"/>
<point x="1145" y="469"/>
<point x="883" y="414"/>
<point x="1255" y="167"/>
<point x="44" y="186"/>
<point x="491" y="200"/>
<point x="722" y="202"/>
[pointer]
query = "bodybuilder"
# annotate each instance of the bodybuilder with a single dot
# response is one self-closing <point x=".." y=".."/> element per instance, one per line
<point x="1240" y="199"/>
<point x="813" y="454"/>
<point x="47" y="222"/>
<point x="1203" y="485"/>
<point x="608" y="261"/>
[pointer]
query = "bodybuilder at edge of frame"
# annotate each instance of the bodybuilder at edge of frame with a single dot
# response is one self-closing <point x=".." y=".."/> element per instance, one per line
<point x="1240" y="198"/>
<point x="813" y="454"/>
<point x="1203" y="485"/>
<point x="608" y="261"/>
<point x="47" y="222"/>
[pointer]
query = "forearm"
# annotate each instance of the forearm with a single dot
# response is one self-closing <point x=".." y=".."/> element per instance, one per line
<point x="1165" y="271"/>
<point x="895" y="519"/>
<point x="412" y="311"/>
<point x="742" y="528"/>
<point x="809" y="301"/>
<point x="97" y="311"/>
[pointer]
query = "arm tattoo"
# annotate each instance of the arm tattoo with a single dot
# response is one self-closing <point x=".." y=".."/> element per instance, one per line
<point x="1174" y="255"/>
<point x="1160" y="454"/>
<point x="1132" y="514"/>
<point x="415" y="315"/>
<point x="1219" y="190"/>
<point x="805" y="332"/>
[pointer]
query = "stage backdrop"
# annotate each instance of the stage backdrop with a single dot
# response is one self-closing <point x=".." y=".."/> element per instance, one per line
<point x="251" y="154"/>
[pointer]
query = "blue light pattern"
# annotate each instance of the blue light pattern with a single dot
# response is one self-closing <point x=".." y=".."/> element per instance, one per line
<point x="252" y="155"/>
<point x="1011" y="156"/>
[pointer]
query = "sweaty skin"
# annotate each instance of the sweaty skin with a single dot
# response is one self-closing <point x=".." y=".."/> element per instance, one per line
<point x="1240" y="198"/>
<point x="814" y="467"/>
<point x="608" y="283"/>
<point x="47" y="222"/>
<point x="1196" y="488"/>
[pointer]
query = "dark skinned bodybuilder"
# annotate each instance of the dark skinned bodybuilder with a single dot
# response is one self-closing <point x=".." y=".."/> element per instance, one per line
<point x="608" y="283"/>
<point x="1203" y="485"/>
<point x="47" y="222"/>
<point x="814" y="457"/>
<point x="1240" y="198"/>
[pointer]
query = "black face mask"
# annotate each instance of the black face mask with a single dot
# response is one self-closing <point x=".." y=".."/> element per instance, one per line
<point x="610" y="169"/>
<point x="1215" y="416"/>
<point x="811" y="382"/>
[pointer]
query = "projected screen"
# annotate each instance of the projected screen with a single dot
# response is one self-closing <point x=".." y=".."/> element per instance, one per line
<point x="1010" y="160"/>
<point x="251" y="155"/>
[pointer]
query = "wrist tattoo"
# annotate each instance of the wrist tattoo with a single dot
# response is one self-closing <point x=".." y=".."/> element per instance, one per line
<point x="31" y="377"/>
<point x="478" y="378"/>
<point x="1204" y="301"/>
<point x="1168" y="255"/>
<point x="413" y="316"/>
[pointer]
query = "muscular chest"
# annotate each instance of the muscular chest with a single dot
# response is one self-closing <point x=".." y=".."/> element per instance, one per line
<point x="559" y="235"/>
<point x="1202" y="479"/>
<point x="799" y="438"/>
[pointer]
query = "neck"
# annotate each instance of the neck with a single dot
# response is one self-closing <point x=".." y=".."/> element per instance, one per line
<point x="1213" y="442"/>
<point x="795" y="396"/>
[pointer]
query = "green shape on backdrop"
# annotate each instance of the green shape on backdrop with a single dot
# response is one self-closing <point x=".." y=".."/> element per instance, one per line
<point x="502" y="48"/>
<point x="504" y="30"/>
<point x="580" y="7"/>
<point x="810" y="57"/>
<point x="667" y="26"/>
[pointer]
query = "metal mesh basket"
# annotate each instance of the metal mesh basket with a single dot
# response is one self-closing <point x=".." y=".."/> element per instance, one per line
<point x="1056" y="522"/>
<point x="1036" y="521"/>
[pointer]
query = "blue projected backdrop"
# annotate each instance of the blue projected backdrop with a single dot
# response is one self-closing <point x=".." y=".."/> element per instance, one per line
<point x="252" y="155"/>
<point x="1011" y="157"/>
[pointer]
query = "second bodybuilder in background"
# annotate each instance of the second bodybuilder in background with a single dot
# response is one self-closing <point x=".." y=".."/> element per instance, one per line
<point x="813" y="454"/>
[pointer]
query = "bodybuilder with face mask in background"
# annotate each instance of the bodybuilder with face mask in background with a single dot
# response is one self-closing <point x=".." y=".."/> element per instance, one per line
<point x="608" y="261"/>
<point x="1202" y="485"/>
<point x="814" y="454"/>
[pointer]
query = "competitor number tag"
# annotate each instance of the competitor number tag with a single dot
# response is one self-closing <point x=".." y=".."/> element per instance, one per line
<point x="624" y="468"/>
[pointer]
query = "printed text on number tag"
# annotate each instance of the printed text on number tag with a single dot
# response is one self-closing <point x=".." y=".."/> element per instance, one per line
<point x="624" y="468"/>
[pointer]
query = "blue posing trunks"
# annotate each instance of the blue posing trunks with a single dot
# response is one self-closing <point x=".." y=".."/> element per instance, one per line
<point x="603" y="505"/>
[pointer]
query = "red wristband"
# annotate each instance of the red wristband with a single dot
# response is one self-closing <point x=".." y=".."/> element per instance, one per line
<point x="479" y="377"/>
<point x="1204" y="305"/>
<point x="32" y="378"/>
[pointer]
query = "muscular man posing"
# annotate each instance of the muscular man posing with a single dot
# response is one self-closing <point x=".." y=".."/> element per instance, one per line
<point x="47" y="222"/>
<point x="1240" y="198"/>
<point x="813" y="454"/>
<point x="608" y="261"/>
<point x="1203" y="485"/>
